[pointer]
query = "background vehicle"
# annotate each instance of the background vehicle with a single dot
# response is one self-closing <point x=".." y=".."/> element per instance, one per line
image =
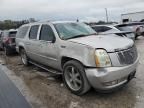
<point x="0" y="40"/>
<point x="0" y="32"/>
<point x="8" y="41"/>
<point x="136" y="27"/>
<point x="74" y="50"/>
<point x="110" y="29"/>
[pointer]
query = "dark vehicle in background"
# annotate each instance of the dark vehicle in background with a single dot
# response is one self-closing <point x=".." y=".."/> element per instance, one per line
<point x="0" y="40"/>
<point x="111" y="29"/>
<point x="0" y="33"/>
<point x="136" y="27"/>
<point x="8" y="41"/>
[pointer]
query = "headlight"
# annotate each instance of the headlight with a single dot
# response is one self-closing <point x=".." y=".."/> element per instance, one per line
<point x="102" y="58"/>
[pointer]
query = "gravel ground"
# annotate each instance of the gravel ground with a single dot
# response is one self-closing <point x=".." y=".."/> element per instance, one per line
<point x="45" y="90"/>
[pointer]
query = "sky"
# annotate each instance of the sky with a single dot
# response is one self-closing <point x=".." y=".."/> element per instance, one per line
<point x="85" y="10"/>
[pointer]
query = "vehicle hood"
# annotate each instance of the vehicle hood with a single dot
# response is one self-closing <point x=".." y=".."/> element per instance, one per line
<point x="110" y="43"/>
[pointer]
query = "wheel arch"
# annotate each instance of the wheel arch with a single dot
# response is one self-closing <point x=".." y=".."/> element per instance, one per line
<point x="20" y="47"/>
<point x="65" y="59"/>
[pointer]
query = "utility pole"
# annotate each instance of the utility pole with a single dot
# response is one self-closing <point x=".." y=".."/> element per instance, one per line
<point x="77" y="20"/>
<point x="106" y="15"/>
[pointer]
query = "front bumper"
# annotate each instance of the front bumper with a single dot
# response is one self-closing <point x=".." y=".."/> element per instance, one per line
<point x="99" y="78"/>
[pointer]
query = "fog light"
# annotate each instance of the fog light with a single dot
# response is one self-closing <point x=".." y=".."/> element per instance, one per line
<point x="110" y="83"/>
<point x="115" y="82"/>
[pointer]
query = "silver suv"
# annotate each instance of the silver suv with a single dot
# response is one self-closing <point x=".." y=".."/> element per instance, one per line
<point x="83" y="58"/>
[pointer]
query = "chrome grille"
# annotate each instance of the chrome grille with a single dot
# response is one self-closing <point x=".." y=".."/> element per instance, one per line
<point x="128" y="56"/>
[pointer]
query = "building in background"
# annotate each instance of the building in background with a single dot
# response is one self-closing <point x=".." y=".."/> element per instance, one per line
<point x="133" y="17"/>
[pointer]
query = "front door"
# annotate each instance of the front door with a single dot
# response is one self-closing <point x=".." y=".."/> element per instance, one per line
<point x="48" y="47"/>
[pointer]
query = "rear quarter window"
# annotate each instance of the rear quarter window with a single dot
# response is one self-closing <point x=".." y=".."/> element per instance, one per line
<point x="12" y="34"/>
<point x="33" y="32"/>
<point x="22" y="32"/>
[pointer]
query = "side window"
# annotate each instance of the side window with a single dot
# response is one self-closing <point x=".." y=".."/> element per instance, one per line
<point x="101" y="28"/>
<point x="46" y="33"/>
<point x="97" y="29"/>
<point x="106" y="28"/>
<point x="33" y="32"/>
<point x="22" y="32"/>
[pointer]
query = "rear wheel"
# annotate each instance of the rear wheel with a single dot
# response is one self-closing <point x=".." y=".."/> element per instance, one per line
<point x="75" y="78"/>
<point x="24" y="57"/>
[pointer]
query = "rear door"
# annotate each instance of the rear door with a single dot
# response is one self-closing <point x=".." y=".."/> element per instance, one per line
<point x="48" y="46"/>
<point x="32" y="43"/>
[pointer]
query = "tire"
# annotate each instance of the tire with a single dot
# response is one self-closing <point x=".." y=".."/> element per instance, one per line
<point x="75" y="80"/>
<point x="6" y="51"/>
<point x="137" y="34"/>
<point x="24" y="57"/>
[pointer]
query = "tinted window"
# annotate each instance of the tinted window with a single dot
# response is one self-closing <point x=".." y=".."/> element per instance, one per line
<point x="22" y="32"/>
<point x="101" y="28"/>
<point x="97" y="29"/>
<point x="33" y="32"/>
<point x="12" y="33"/>
<point x="106" y="28"/>
<point x="46" y="33"/>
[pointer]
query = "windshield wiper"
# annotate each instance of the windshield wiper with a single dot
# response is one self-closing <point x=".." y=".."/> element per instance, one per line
<point x="77" y="36"/>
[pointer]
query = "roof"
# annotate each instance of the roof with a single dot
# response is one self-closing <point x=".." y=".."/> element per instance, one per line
<point x="55" y="22"/>
<point x="45" y="22"/>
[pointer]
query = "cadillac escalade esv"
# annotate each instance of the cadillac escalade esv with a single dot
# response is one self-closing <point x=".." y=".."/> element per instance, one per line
<point x="74" y="50"/>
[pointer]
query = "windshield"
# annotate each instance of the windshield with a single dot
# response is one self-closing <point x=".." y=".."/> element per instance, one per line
<point x="73" y="30"/>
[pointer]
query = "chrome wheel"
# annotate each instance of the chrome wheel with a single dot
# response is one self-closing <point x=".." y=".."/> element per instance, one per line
<point x="73" y="78"/>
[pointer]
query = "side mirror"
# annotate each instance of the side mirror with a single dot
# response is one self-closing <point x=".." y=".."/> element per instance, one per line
<point x="53" y="39"/>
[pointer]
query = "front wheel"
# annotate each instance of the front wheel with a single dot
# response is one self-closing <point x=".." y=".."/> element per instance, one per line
<point x="75" y="78"/>
<point x="24" y="57"/>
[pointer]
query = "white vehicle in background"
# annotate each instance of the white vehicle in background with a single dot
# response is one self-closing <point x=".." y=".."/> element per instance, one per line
<point x="136" y="27"/>
<point x="110" y="29"/>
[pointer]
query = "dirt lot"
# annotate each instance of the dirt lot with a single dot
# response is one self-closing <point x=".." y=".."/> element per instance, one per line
<point x="45" y="90"/>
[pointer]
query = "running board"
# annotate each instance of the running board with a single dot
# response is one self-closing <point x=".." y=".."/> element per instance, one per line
<point x="49" y="70"/>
